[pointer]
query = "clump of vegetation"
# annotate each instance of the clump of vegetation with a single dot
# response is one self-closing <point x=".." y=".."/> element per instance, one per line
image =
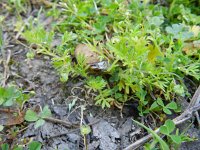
<point x="143" y="44"/>
<point x="167" y="129"/>
<point x="11" y="95"/>
<point x="148" y="51"/>
<point x="33" y="145"/>
<point x="32" y="116"/>
<point x="14" y="98"/>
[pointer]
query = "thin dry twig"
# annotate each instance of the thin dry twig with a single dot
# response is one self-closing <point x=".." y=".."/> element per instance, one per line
<point x="74" y="130"/>
<point x="49" y="119"/>
<point x="193" y="107"/>
<point x="8" y="110"/>
<point x="64" y="123"/>
<point x="198" y="118"/>
<point x="6" y="69"/>
<point x="6" y="57"/>
<point x="195" y="99"/>
<point x="194" y="102"/>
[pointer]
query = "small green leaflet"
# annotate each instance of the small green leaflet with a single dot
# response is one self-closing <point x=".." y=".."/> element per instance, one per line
<point x="163" y="144"/>
<point x="34" y="145"/>
<point x="31" y="116"/>
<point x="85" y="130"/>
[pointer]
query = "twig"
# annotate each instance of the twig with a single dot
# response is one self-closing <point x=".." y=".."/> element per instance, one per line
<point x="177" y="121"/>
<point x="74" y="130"/>
<point x="20" y="131"/>
<point x="6" y="59"/>
<point x="64" y="123"/>
<point x="81" y="124"/>
<point x="49" y="119"/>
<point x="65" y="133"/>
<point x="195" y="99"/>
<point x="73" y="111"/>
<point x="193" y="107"/>
<point x="6" y="68"/>
<point x="8" y="110"/>
<point x="198" y="118"/>
<point x="82" y="109"/>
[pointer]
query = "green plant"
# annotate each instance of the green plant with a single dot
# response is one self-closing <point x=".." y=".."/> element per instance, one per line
<point x="63" y="66"/>
<point x="81" y="67"/>
<point x="34" y="145"/>
<point x="18" y="5"/>
<point x="38" y="35"/>
<point x="166" y="108"/>
<point x="167" y="129"/>
<point x="5" y="146"/>
<point x="142" y="45"/>
<point x="32" y="116"/>
<point x="180" y="32"/>
<point x="30" y="55"/>
<point x="11" y="95"/>
<point x="98" y="84"/>
<point x="183" y="10"/>
<point x="85" y="130"/>
<point x="176" y="138"/>
<point x="157" y="138"/>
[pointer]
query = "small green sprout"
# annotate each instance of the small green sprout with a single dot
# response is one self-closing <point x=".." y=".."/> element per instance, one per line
<point x="166" y="108"/>
<point x="32" y="116"/>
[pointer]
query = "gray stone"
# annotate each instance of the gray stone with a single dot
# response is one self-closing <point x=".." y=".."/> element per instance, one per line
<point x="106" y="134"/>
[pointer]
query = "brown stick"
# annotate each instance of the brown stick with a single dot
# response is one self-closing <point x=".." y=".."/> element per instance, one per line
<point x="8" y="110"/>
<point x="6" y="68"/>
<point x="195" y="99"/>
<point x="64" y="123"/>
<point x="74" y="130"/>
<point x="193" y="107"/>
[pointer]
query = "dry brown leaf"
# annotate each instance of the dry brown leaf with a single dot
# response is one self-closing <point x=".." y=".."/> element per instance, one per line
<point x="91" y="57"/>
<point x="46" y="3"/>
<point x="195" y="30"/>
<point x="14" y="120"/>
<point x="191" y="48"/>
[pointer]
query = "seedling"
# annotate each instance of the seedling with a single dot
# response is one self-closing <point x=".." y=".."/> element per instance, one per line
<point x="30" y="55"/>
<point x="98" y="84"/>
<point x="167" y="129"/>
<point x="32" y="116"/>
<point x="11" y="95"/>
<point x="85" y="130"/>
<point x="166" y="108"/>
<point x="157" y="138"/>
<point x="34" y="145"/>
<point x="5" y="146"/>
<point x="179" y="31"/>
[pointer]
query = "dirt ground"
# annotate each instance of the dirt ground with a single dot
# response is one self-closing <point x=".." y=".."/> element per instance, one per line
<point x="112" y="129"/>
